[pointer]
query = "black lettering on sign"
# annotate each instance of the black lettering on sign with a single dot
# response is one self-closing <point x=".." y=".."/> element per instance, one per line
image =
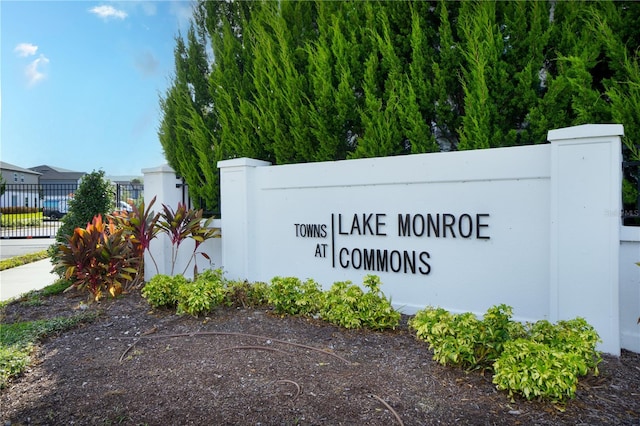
<point x="465" y="226"/>
<point x="481" y="225"/>
<point x="443" y="225"/>
<point x="380" y="260"/>
<point x="363" y="224"/>
<point x="307" y="230"/>
<point x="321" y="250"/>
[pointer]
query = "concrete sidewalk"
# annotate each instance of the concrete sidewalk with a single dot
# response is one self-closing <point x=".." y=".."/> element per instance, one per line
<point x="21" y="279"/>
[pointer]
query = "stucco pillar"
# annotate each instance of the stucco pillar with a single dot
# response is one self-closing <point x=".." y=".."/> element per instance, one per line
<point x="160" y="182"/>
<point x="237" y="211"/>
<point x="585" y="227"/>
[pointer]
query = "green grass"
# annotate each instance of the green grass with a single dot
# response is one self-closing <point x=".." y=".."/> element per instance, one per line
<point x="12" y="262"/>
<point x="21" y="333"/>
<point x="17" y="339"/>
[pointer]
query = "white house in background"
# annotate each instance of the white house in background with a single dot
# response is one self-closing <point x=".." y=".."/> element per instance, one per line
<point x="21" y="186"/>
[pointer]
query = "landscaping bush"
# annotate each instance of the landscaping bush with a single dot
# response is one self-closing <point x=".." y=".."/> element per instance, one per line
<point x="291" y="296"/>
<point x="534" y="370"/>
<point x="141" y="225"/>
<point x="184" y="223"/>
<point x="98" y="258"/>
<point x="162" y="290"/>
<point x="575" y="336"/>
<point x="93" y="197"/>
<point x="203" y="294"/>
<point x="245" y="294"/>
<point x="463" y="339"/>
<point x="347" y="305"/>
<point x="540" y="360"/>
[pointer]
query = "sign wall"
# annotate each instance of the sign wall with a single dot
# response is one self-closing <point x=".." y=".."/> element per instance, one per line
<point x="526" y="226"/>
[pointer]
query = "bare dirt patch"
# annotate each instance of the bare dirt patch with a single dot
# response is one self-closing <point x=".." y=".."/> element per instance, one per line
<point x="135" y="366"/>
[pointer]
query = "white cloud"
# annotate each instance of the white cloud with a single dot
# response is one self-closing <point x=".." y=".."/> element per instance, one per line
<point x="26" y="49"/>
<point x="34" y="71"/>
<point x="107" y="12"/>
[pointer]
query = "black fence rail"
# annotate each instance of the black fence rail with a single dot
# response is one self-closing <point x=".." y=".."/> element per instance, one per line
<point x="35" y="210"/>
<point x="188" y="201"/>
<point x="128" y="194"/>
<point x="631" y="193"/>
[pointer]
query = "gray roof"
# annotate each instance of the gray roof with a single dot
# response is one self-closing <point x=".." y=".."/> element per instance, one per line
<point x="14" y="168"/>
<point x="57" y="173"/>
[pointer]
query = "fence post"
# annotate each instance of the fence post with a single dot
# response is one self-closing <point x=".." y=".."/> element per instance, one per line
<point x="236" y="196"/>
<point x="160" y="182"/>
<point x="585" y="208"/>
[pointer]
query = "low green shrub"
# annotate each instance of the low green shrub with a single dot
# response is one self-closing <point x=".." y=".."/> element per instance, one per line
<point x="290" y="296"/>
<point x="161" y="291"/>
<point x="540" y="360"/>
<point x="575" y="336"/>
<point x="348" y="306"/>
<point x="245" y="294"/>
<point x="203" y="294"/>
<point x="463" y="339"/>
<point x="537" y="370"/>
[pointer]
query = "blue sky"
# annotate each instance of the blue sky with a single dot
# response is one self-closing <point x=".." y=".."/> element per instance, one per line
<point x="80" y="82"/>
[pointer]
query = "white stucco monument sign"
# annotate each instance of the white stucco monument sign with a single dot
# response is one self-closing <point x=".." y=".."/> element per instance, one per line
<point x="535" y="227"/>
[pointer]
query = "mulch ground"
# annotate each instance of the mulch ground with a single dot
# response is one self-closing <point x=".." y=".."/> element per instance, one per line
<point x="136" y="366"/>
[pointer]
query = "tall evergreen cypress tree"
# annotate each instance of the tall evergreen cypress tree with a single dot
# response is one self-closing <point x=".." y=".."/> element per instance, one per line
<point x="300" y="81"/>
<point x="188" y="121"/>
<point x="325" y="115"/>
<point x="446" y="75"/>
<point x="418" y="97"/>
<point x="477" y="25"/>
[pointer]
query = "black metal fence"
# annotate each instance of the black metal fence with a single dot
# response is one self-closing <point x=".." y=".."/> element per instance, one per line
<point x="128" y="194"/>
<point x="35" y="210"/>
<point x="192" y="204"/>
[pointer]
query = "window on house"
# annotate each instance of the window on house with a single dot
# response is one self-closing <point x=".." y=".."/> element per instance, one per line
<point x="22" y="178"/>
<point x="15" y="177"/>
